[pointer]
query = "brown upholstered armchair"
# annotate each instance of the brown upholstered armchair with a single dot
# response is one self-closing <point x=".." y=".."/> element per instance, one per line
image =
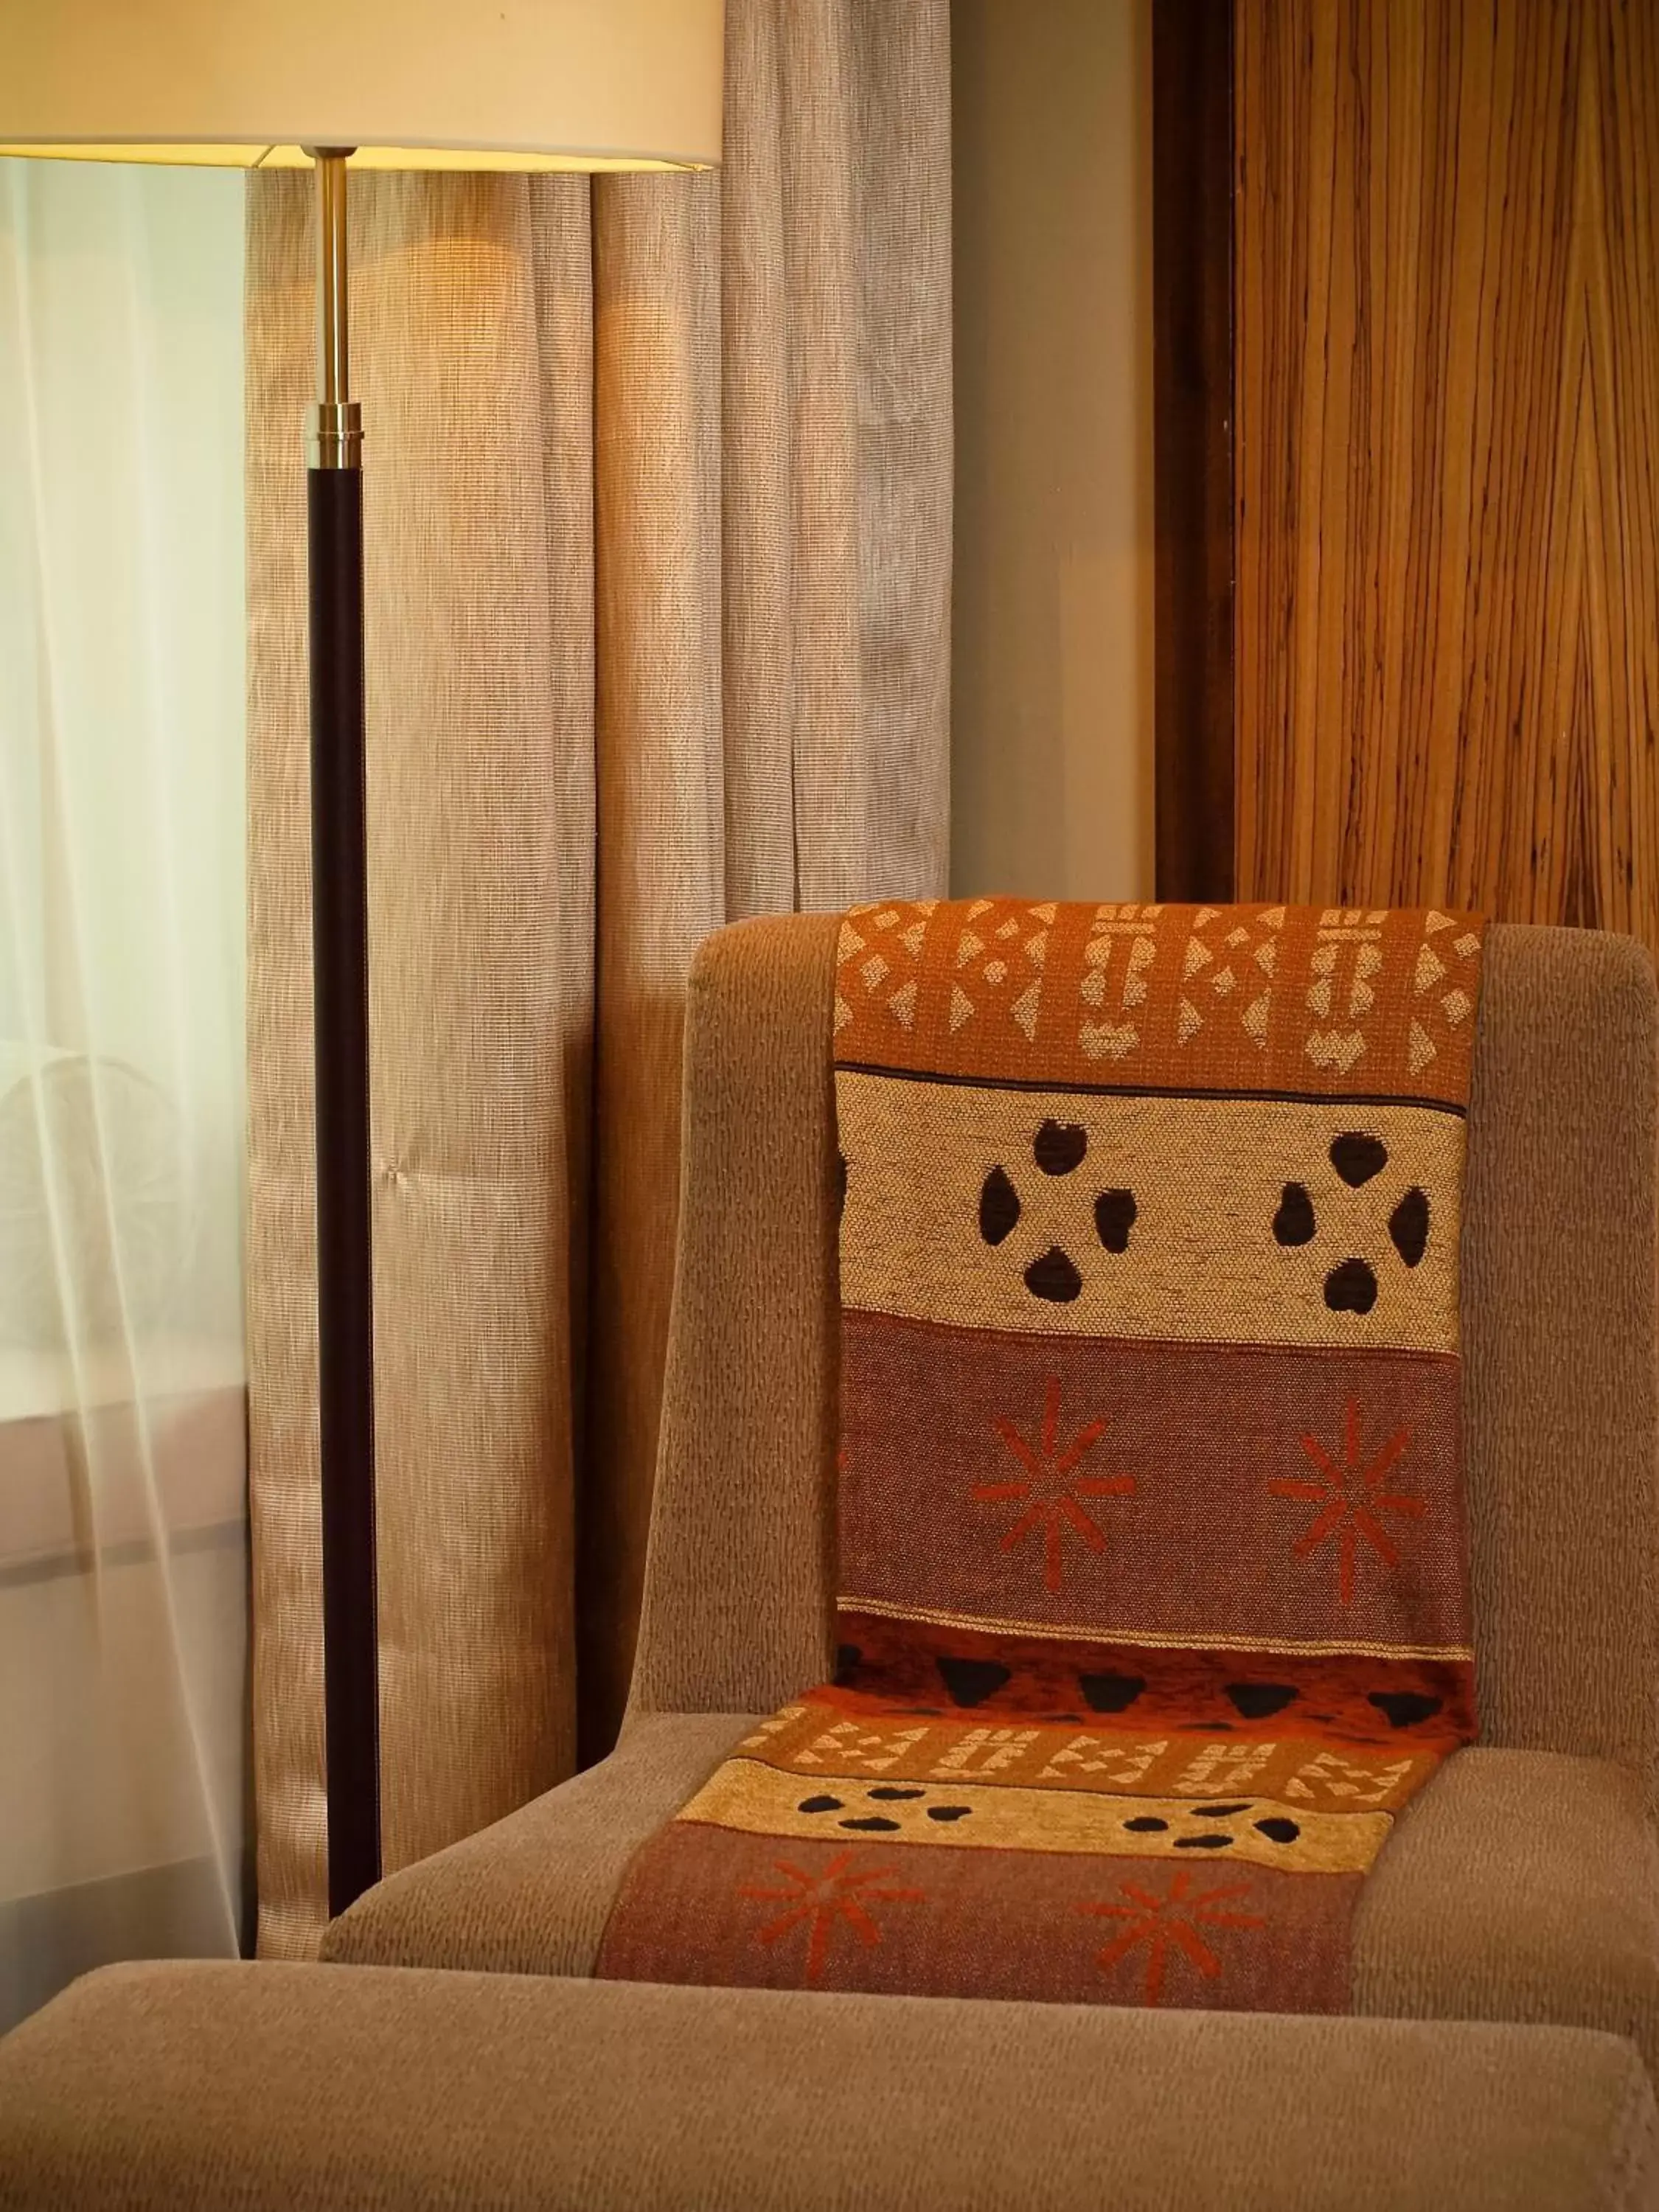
<point x="1523" y="1886"/>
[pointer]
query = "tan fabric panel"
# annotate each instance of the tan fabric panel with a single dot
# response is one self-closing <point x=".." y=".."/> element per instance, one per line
<point x="181" y="2088"/>
<point x="1210" y="1173"/>
<point x="1559" y="1319"/>
<point x="758" y="1800"/>
<point x="659" y="545"/>
<point x="1519" y="1885"/>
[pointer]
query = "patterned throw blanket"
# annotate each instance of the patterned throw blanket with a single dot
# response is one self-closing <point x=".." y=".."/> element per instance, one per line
<point x="1154" y="1606"/>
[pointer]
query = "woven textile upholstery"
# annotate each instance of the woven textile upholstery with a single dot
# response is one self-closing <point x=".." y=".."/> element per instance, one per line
<point x="1153" y="1583"/>
<point x="1524" y="1882"/>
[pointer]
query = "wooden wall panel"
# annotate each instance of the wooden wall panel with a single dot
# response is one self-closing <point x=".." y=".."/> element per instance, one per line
<point x="1447" y="295"/>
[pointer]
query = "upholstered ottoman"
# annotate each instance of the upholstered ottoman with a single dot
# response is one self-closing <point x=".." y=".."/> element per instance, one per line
<point x="244" y="2087"/>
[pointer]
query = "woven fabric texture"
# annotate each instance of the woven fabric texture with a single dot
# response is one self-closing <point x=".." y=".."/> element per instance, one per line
<point x="1520" y="1886"/>
<point x="657" y="518"/>
<point x="278" y="2088"/>
<point x="1154" y="1598"/>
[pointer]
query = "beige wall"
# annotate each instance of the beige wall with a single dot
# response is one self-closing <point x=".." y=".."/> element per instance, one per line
<point x="1052" y="736"/>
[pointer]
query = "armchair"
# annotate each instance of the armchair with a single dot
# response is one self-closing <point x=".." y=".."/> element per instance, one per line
<point x="1523" y="1885"/>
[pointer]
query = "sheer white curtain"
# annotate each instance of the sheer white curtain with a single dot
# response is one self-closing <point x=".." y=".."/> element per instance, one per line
<point x="122" y="1564"/>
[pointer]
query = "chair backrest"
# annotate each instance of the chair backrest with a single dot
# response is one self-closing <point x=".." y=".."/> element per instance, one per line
<point x="1560" y="1342"/>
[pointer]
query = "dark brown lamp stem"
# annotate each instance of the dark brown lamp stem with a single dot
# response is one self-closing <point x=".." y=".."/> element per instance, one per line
<point x="339" y="913"/>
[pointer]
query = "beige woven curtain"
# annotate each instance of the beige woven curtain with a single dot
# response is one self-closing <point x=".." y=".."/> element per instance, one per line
<point x="658" y="523"/>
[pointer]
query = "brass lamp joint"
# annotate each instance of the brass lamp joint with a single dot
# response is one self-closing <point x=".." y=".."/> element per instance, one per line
<point x="334" y="435"/>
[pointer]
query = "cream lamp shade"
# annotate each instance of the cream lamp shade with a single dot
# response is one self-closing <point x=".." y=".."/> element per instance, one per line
<point x="409" y="84"/>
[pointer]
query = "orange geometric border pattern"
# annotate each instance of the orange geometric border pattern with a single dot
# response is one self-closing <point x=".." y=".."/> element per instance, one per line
<point x="1332" y="1002"/>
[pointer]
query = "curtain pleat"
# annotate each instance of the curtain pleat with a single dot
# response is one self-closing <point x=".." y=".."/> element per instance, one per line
<point x="661" y="839"/>
<point x="657" y="519"/>
<point x="279" y="1261"/>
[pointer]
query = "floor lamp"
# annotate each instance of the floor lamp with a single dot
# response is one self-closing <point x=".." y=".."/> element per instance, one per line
<point x="340" y="84"/>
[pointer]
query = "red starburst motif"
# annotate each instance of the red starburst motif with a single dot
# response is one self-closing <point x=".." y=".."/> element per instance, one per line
<point x="1350" y="1498"/>
<point x="1056" y="1501"/>
<point x="1171" y="1923"/>
<point x="823" y="1902"/>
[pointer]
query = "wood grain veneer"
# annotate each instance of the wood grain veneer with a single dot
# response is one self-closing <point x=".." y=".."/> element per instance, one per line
<point x="1446" y="286"/>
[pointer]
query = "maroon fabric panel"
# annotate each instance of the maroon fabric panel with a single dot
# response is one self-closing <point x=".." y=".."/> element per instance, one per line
<point x="1179" y="1489"/>
<point x="712" y="1905"/>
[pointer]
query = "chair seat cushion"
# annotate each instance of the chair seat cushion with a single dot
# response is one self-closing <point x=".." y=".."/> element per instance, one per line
<point x="1521" y="1886"/>
<point x="531" y="1895"/>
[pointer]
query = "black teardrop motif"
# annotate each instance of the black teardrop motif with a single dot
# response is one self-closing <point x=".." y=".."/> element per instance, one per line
<point x="1408" y="1226"/>
<point x="970" y="1682"/>
<point x="1058" y="1146"/>
<point x="1352" y="1288"/>
<point x="1404" y="1707"/>
<point x="1053" y="1277"/>
<point x="1356" y="1157"/>
<point x="1115" y="1217"/>
<point x="1258" y="1701"/>
<point x="1110" y="1693"/>
<point x="1293" y="1223"/>
<point x="999" y="1207"/>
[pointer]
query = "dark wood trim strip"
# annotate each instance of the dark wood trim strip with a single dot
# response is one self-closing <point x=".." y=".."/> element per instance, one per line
<point x="1193" y="445"/>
